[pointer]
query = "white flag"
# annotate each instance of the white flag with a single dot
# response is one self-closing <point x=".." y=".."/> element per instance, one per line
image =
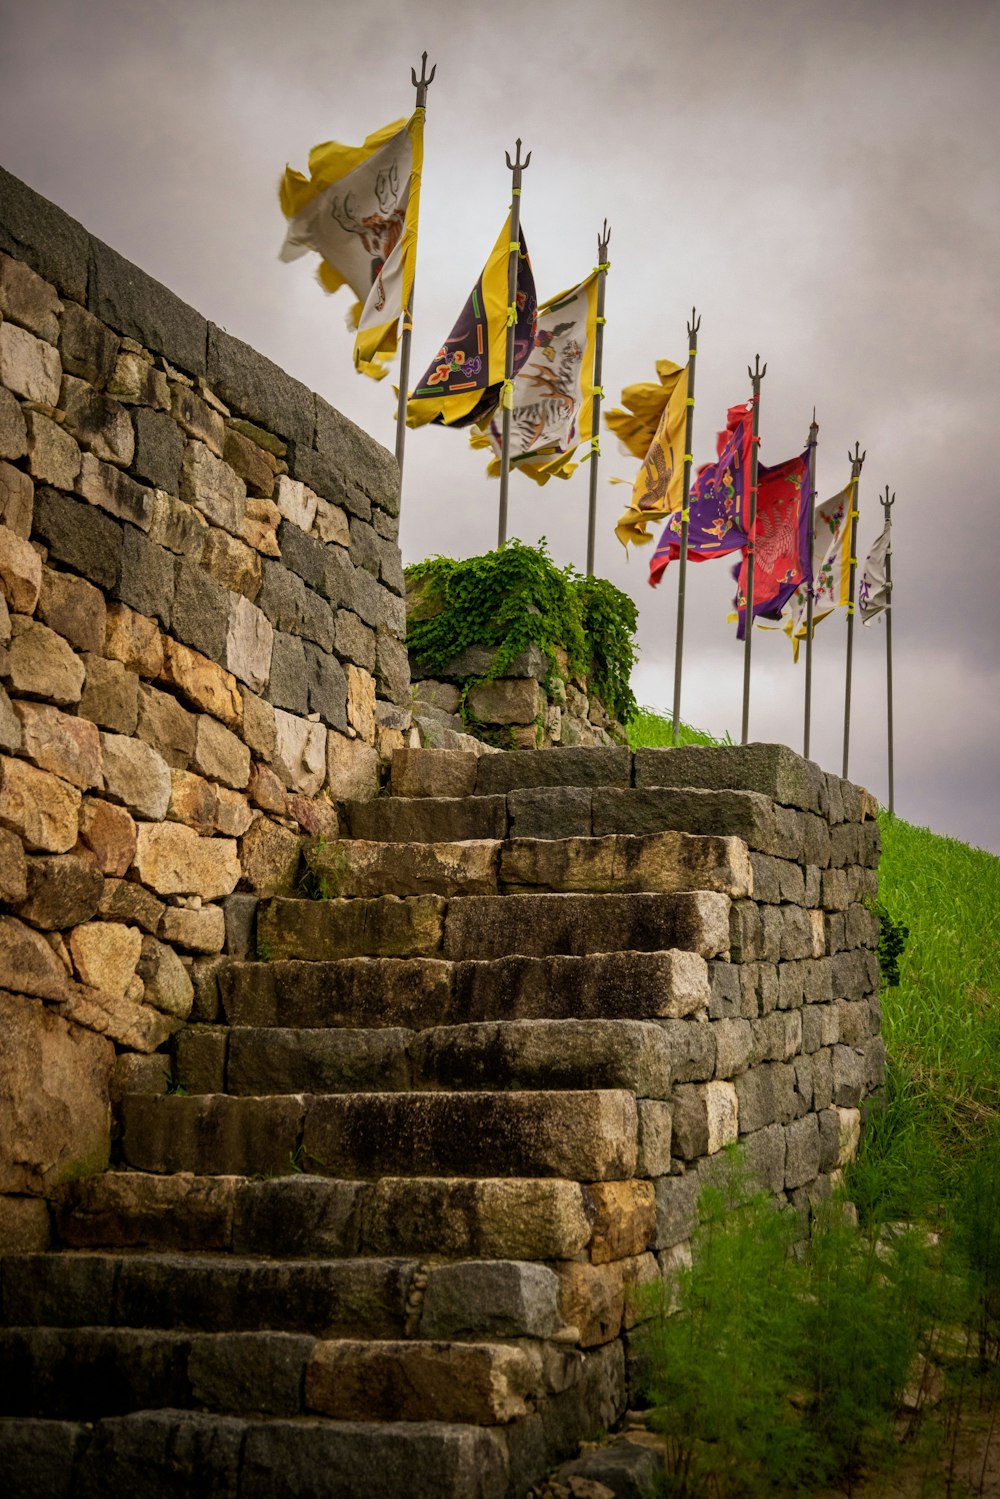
<point x="873" y="590"/>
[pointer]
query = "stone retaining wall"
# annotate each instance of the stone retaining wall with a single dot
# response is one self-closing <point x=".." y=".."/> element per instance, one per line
<point x="536" y="704"/>
<point x="201" y="652"/>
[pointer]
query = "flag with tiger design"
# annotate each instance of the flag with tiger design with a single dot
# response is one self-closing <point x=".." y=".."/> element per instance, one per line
<point x="357" y="210"/>
<point x="553" y="405"/>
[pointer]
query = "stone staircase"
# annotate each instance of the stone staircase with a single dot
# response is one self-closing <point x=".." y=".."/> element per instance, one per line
<point x="383" y="1236"/>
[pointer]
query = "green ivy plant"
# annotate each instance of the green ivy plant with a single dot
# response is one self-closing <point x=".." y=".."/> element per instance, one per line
<point x="516" y="597"/>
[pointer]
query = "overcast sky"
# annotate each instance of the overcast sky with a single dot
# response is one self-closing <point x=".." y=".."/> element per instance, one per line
<point x="819" y="177"/>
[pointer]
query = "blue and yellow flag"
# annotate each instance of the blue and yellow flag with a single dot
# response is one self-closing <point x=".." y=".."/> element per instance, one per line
<point x="464" y="381"/>
<point x="358" y="210"/>
<point x="553" y="405"/>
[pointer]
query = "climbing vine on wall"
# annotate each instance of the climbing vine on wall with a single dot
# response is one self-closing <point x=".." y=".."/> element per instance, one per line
<point x="516" y="597"/>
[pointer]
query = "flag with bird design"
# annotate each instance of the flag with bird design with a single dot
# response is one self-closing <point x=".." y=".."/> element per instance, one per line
<point x="358" y="210"/>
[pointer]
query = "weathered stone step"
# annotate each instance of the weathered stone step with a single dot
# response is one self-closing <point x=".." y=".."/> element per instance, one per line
<point x="208" y="1293"/>
<point x="663" y="862"/>
<point x="484" y="926"/>
<point x="586" y="1136"/>
<point x="487" y="1384"/>
<point x="493" y="926"/>
<point x="301" y="1216"/>
<point x="196" y="1455"/>
<point x="489" y="1055"/>
<point x="85" y="1373"/>
<point x="422" y="992"/>
<point x="584" y="811"/>
<point x="445" y="773"/>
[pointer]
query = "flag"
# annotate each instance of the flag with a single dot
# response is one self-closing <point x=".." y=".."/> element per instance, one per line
<point x="781" y="540"/>
<point x="553" y="394"/>
<point x="464" y="381"/>
<point x="718" y="500"/>
<point x="358" y="210"/>
<point x="659" y="485"/>
<point x="635" y="427"/>
<point x="831" y="569"/>
<point x="874" y="587"/>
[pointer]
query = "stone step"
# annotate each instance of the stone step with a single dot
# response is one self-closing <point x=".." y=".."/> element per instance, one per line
<point x="86" y="1373"/>
<point x="586" y="1136"/>
<point x="482" y="1383"/>
<point x="662" y="862"/>
<point x="443" y="773"/>
<point x="300" y="1216"/>
<point x="484" y="926"/>
<point x="493" y="926"/>
<point x="208" y="1293"/>
<point x="588" y="811"/>
<point x="539" y="1054"/>
<point x="419" y="993"/>
<point x="177" y="1454"/>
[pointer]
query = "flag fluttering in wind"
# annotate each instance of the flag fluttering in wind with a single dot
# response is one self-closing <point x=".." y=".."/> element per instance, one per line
<point x="718" y="503"/>
<point x="464" y="381"/>
<point x="873" y="590"/>
<point x="831" y="568"/>
<point x="358" y="210"/>
<point x="781" y="540"/>
<point x="659" y="485"/>
<point x="552" y="412"/>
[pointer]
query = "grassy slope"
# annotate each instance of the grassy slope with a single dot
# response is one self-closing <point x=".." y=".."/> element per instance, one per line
<point x="942" y="1024"/>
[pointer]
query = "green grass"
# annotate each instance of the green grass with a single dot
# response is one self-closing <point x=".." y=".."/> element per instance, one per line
<point x="648" y="729"/>
<point x="942" y="1023"/>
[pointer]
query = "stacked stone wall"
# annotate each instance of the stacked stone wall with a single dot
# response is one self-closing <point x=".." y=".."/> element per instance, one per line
<point x="201" y="653"/>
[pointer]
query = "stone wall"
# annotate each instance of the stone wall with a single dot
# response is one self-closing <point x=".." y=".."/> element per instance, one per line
<point x="201" y="653"/>
<point x="536" y="704"/>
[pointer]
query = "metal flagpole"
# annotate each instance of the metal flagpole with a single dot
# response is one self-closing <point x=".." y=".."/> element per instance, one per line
<point x="692" y="332"/>
<point x="603" y="240"/>
<point x="887" y="505"/>
<point x="813" y="430"/>
<point x="517" y="166"/>
<point x="756" y="375"/>
<point x="857" y="459"/>
<point x="421" y="84"/>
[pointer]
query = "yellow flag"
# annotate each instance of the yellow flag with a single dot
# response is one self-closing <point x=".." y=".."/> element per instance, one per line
<point x="358" y="210"/>
<point x="659" y="485"/>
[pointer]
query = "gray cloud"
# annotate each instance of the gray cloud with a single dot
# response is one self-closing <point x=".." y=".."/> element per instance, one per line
<point x="820" y="179"/>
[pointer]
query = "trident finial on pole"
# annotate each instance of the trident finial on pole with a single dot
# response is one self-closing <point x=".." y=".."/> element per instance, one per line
<point x="887" y="503"/>
<point x="757" y="373"/>
<point x="857" y="458"/>
<point x="603" y="241"/>
<point x="423" y="83"/>
<point x="517" y="165"/>
<point x="694" y="324"/>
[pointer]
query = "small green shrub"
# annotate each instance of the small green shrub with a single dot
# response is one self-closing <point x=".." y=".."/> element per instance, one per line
<point x="516" y="597"/>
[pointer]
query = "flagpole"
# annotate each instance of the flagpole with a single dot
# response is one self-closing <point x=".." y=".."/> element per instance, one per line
<point x="756" y="375"/>
<point x="692" y="332"/>
<point x="857" y="459"/>
<point x="813" y="430"/>
<point x="517" y="166"/>
<point x="421" y="84"/>
<point x="887" y="505"/>
<point x="603" y="240"/>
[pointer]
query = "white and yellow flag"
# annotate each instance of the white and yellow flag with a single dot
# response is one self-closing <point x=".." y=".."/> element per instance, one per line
<point x="553" y="405"/>
<point x="831" y="566"/>
<point x="357" y="210"/>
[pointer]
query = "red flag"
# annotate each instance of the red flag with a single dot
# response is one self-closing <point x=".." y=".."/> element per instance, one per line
<point x="781" y="539"/>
